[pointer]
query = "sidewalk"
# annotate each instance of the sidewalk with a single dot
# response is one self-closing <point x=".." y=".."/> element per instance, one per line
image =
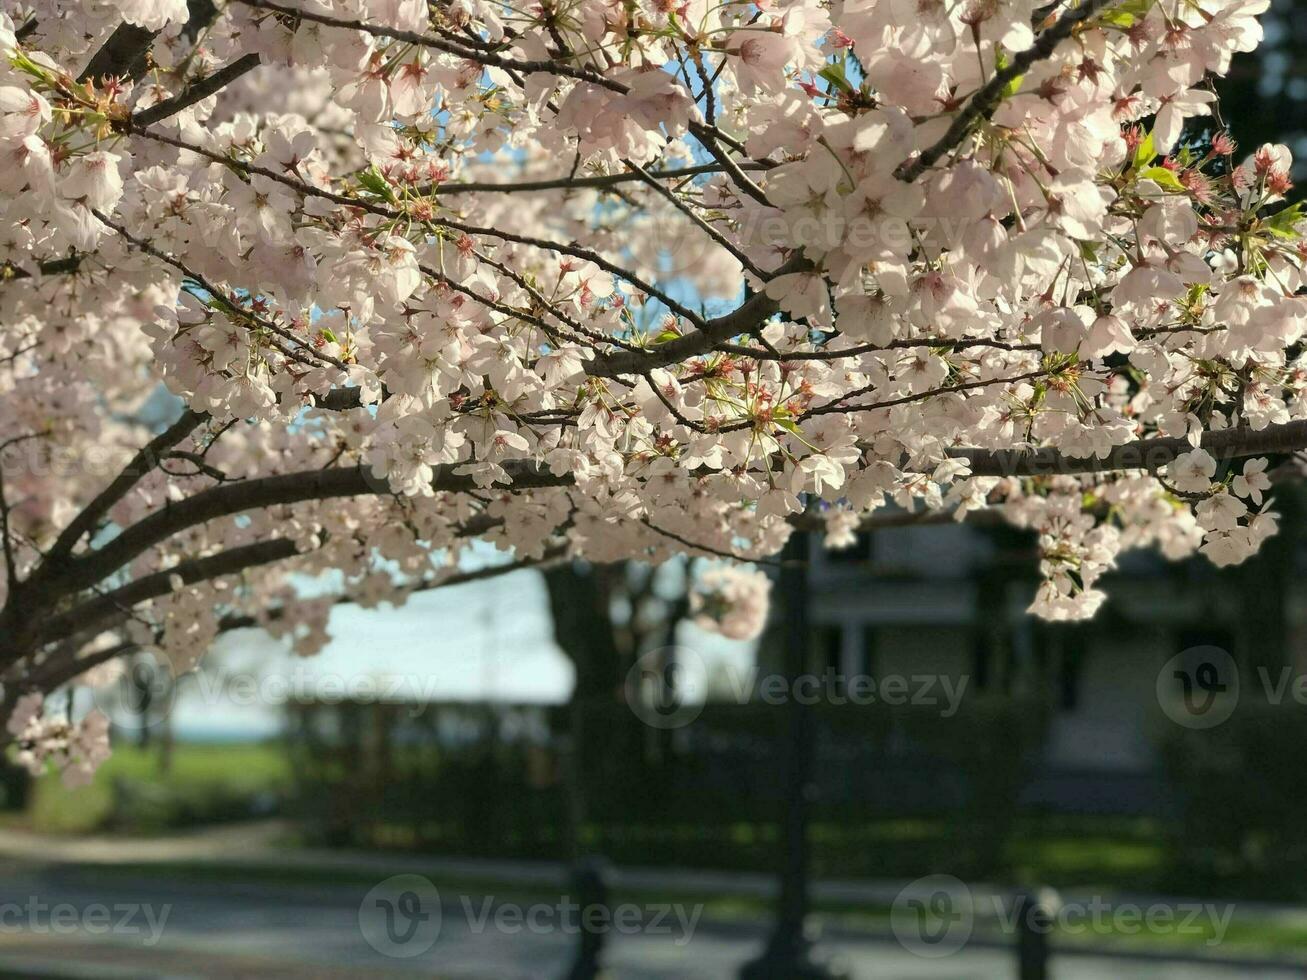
<point x="249" y="931"/>
<point x="261" y="845"/>
<point x="260" y="848"/>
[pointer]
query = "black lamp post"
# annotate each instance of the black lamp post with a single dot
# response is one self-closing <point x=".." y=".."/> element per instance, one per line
<point x="789" y="954"/>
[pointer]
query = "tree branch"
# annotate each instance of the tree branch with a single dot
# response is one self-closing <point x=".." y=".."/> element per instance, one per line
<point x="237" y="497"/>
<point x="1143" y="454"/>
<point x="200" y="90"/>
<point x="50" y="267"/>
<point x="60" y="670"/>
<point x="599" y="181"/>
<point x="752" y="313"/>
<point x="698" y="222"/>
<point x="987" y="98"/>
<point x="142" y="463"/>
<point x="564" y="248"/>
<point x="92" y="613"/>
<point x="552" y="556"/>
<point x="123" y="55"/>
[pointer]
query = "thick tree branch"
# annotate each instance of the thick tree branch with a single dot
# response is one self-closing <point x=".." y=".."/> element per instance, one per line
<point x="200" y="90"/>
<point x="50" y="267"/>
<point x="123" y="55"/>
<point x="62" y="667"/>
<point x="750" y="315"/>
<point x="142" y="463"/>
<point x="94" y="612"/>
<point x="271" y="491"/>
<point x="1148" y="454"/>
<point x="1143" y="454"/>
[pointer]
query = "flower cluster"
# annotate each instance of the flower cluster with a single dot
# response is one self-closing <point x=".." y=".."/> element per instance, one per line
<point x="75" y="748"/>
<point x="732" y="601"/>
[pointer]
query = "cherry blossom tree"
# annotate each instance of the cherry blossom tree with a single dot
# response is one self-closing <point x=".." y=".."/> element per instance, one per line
<point x="619" y="279"/>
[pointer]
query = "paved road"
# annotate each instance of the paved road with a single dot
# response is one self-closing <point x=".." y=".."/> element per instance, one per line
<point x="260" y="847"/>
<point x="50" y="925"/>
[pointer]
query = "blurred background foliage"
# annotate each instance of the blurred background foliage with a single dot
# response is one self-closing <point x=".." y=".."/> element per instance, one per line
<point x="1264" y="98"/>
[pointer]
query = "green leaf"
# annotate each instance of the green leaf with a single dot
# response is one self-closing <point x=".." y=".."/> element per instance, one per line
<point x="1162" y="177"/>
<point x="1124" y="15"/>
<point x="1281" y="224"/>
<point x="666" y="335"/>
<point x="1001" y="61"/>
<point x="788" y="425"/>
<point x="373" y="181"/>
<point x="1145" y="153"/>
<point x="834" y="73"/>
<point x="1193" y="300"/>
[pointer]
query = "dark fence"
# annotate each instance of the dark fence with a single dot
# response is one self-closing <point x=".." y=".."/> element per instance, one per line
<point x="898" y="788"/>
<point x="900" y="791"/>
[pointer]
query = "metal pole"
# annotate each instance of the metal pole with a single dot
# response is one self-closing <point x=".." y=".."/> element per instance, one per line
<point x="590" y="880"/>
<point x="789" y="954"/>
<point x="1034" y="916"/>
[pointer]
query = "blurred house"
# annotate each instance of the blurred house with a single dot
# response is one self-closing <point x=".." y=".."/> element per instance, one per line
<point x="951" y="601"/>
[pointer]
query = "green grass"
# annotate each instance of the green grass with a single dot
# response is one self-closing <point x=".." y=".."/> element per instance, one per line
<point x="131" y="793"/>
<point x="1089" y="853"/>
